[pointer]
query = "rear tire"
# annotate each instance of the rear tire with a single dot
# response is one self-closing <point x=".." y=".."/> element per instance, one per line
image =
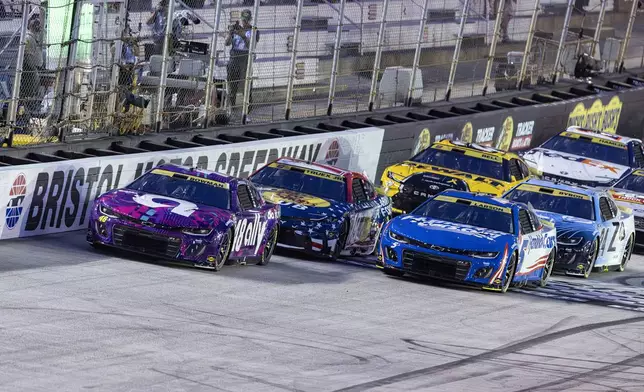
<point x="547" y="269"/>
<point x="269" y="248"/>
<point x="224" y="251"/>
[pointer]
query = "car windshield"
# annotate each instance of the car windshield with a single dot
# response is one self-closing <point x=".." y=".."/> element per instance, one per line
<point x="179" y="186"/>
<point x="588" y="149"/>
<point x="465" y="163"/>
<point x="633" y="182"/>
<point x="308" y="181"/>
<point x="476" y="214"/>
<point x="559" y="202"/>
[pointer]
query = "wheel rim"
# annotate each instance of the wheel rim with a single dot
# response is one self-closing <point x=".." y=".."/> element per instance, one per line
<point x="592" y="258"/>
<point x="509" y="271"/>
<point x="627" y="253"/>
<point x="547" y="270"/>
<point x="223" y="250"/>
<point x="270" y="246"/>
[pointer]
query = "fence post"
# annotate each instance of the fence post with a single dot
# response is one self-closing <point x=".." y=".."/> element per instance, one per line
<point x="629" y="30"/>
<point x="163" y="79"/>
<point x="212" y="63"/>
<point x="457" y="49"/>
<point x="71" y="60"/>
<point x="528" y="44"/>
<point x="562" y="40"/>
<point x="249" y="64"/>
<point x="291" y="75"/>
<point x="336" y="59"/>
<point x="17" y="79"/>
<point x="495" y="40"/>
<point x="373" y="91"/>
<point x="598" y="28"/>
<point x="416" y="64"/>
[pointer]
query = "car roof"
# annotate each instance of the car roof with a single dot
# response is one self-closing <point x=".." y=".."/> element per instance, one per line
<point x="477" y="148"/>
<point x="598" y="134"/>
<point x="568" y="188"/>
<point x="483" y="198"/>
<point x="314" y="166"/>
<point x="193" y="171"/>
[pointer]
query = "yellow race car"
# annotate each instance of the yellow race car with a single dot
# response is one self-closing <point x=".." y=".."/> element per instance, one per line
<point x="449" y="164"/>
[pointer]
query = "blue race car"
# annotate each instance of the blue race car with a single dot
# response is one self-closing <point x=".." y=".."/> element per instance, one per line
<point x="592" y="231"/>
<point x="326" y="211"/>
<point x="470" y="238"/>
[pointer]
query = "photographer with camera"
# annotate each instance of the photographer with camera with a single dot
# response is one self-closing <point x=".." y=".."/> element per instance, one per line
<point x="239" y="36"/>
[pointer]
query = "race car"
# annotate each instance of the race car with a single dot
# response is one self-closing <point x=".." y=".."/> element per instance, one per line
<point x="629" y="192"/>
<point x="189" y="216"/>
<point x="454" y="165"/>
<point x="325" y="211"/>
<point x="474" y="239"/>
<point x="579" y="156"/>
<point x="592" y="232"/>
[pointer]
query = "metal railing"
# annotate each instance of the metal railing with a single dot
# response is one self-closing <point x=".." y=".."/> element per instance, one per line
<point x="84" y="69"/>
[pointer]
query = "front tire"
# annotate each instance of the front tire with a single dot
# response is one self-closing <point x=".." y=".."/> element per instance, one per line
<point x="628" y="251"/>
<point x="393" y="272"/>
<point x="547" y="269"/>
<point x="342" y="240"/>
<point x="593" y="259"/>
<point x="269" y="248"/>
<point x="509" y="273"/>
<point x="224" y="251"/>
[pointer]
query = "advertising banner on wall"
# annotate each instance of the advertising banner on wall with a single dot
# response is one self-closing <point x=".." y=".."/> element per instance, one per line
<point x="55" y="197"/>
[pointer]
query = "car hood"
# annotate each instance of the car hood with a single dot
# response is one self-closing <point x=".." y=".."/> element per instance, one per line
<point x="164" y="211"/>
<point x="447" y="234"/>
<point x="483" y="184"/>
<point x="301" y="205"/>
<point x="568" y="226"/>
<point x="629" y="199"/>
<point x="573" y="166"/>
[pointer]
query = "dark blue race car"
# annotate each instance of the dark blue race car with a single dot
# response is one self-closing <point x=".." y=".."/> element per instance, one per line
<point x="469" y="238"/>
<point x="326" y="211"/>
<point x="592" y="232"/>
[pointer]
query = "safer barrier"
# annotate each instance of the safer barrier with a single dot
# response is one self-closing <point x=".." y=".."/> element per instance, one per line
<point x="55" y="197"/>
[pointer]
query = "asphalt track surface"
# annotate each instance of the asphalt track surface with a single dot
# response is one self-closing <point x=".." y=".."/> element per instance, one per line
<point x="72" y="318"/>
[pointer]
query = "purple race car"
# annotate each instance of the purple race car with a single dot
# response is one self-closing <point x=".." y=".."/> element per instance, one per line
<point x="188" y="215"/>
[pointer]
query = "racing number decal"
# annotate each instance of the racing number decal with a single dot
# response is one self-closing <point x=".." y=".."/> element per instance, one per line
<point x="617" y="226"/>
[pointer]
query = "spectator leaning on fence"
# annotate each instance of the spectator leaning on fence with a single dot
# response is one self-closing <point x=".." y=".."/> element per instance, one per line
<point x="158" y="21"/>
<point x="238" y="39"/>
<point x="508" y="11"/>
<point x="32" y="64"/>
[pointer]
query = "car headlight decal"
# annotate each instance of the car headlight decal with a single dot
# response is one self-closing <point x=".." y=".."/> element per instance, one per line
<point x="397" y="237"/>
<point x="396" y="177"/>
<point x="105" y="210"/>
<point x="570" y="241"/>
<point x="483" y="255"/>
<point x="197" y="232"/>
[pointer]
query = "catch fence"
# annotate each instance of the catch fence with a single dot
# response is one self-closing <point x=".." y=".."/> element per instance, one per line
<point x="72" y="69"/>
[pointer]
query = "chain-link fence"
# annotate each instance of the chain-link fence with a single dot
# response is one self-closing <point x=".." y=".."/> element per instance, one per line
<point x="72" y="68"/>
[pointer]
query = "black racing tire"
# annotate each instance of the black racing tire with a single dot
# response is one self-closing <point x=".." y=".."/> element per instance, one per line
<point x="628" y="251"/>
<point x="594" y="254"/>
<point x="510" y="270"/>
<point x="342" y="240"/>
<point x="269" y="248"/>
<point x="377" y="247"/>
<point x="547" y="269"/>
<point x="224" y="251"/>
<point x="393" y="272"/>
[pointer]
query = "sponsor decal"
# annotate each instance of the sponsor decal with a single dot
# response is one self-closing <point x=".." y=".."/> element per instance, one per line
<point x="523" y="137"/>
<point x="448" y="136"/>
<point x="627" y="197"/>
<point x="471" y="152"/>
<point x="423" y="141"/>
<point x="598" y="140"/>
<point x="505" y="138"/>
<point x="467" y="132"/>
<point x="191" y="178"/>
<point x="468" y="230"/>
<point x="332" y="152"/>
<point x="309" y="172"/>
<point x="249" y="232"/>
<point x="585" y="161"/>
<point x="286" y="197"/>
<point x="485" y="136"/>
<point x="598" y="116"/>
<point x="16" y="198"/>
<point x="473" y="203"/>
<point x="179" y="207"/>
<point x="552" y="191"/>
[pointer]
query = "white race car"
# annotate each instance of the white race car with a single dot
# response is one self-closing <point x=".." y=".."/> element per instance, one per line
<point x="629" y="192"/>
<point x="579" y="156"/>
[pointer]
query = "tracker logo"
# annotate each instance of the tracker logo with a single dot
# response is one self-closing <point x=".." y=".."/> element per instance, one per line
<point x="16" y="198"/>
